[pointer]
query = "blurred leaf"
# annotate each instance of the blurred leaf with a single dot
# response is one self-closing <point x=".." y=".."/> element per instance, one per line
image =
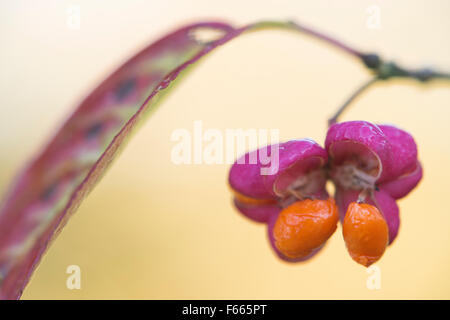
<point x="52" y="186"/>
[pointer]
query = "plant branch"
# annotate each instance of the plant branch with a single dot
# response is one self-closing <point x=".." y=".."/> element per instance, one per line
<point x="356" y="94"/>
<point x="381" y="69"/>
<point x="293" y="26"/>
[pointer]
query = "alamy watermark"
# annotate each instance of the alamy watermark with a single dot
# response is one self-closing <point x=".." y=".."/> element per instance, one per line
<point x="213" y="146"/>
<point x="74" y="280"/>
<point x="374" y="279"/>
<point x="373" y="17"/>
<point x="73" y="17"/>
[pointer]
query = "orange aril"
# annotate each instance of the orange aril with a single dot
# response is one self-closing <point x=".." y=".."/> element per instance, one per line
<point x="366" y="233"/>
<point x="304" y="226"/>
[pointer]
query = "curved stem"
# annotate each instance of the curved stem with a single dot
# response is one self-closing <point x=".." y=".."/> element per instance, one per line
<point x="381" y="69"/>
<point x="332" y="41"/>
<point x="355" y="95"/>
<point x="308" y="31"/>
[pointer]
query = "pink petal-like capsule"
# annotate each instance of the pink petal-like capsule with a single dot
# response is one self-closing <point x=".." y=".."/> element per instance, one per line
<point x="402" y="185"/>
<point x="265" y="179"/>
<point x="258" y="213"/>
<point x="403" y="149"/>
<point x="245" y="175"/>
<point x="388" y="207"/>
<point x="360" y="144"/>
<point x="379" y="159"/>
<point x="405" y="171"/>
<point x="379" y="153"/>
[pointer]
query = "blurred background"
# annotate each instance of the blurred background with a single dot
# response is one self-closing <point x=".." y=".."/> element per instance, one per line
<point x="155" y="230"/>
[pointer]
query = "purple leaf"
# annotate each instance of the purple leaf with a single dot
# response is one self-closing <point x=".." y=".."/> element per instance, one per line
<point x="51" y="187"/>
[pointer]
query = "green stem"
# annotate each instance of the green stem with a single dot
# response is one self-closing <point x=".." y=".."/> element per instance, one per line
<point x="381" y="69"/>
<point x="293" y="26"/>
<point x="356" y="94"/>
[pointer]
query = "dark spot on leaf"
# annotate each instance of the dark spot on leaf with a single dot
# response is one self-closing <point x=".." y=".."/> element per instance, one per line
<point x="49" y="192"/>
<point x="94" y="130"/>
<point x="376" y="188"/>
<point x="125" y="88"/>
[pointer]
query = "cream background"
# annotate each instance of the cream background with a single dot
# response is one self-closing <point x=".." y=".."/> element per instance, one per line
<point x="152" y="229"/>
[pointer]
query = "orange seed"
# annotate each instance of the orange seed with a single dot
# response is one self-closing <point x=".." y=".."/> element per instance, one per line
<point x="305" y="226"/>
<point x="366" y="233"/>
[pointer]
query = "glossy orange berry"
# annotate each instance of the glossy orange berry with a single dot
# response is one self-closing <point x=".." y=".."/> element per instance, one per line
<point x="304" y="226"/>
<point x="366" y="233"/>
